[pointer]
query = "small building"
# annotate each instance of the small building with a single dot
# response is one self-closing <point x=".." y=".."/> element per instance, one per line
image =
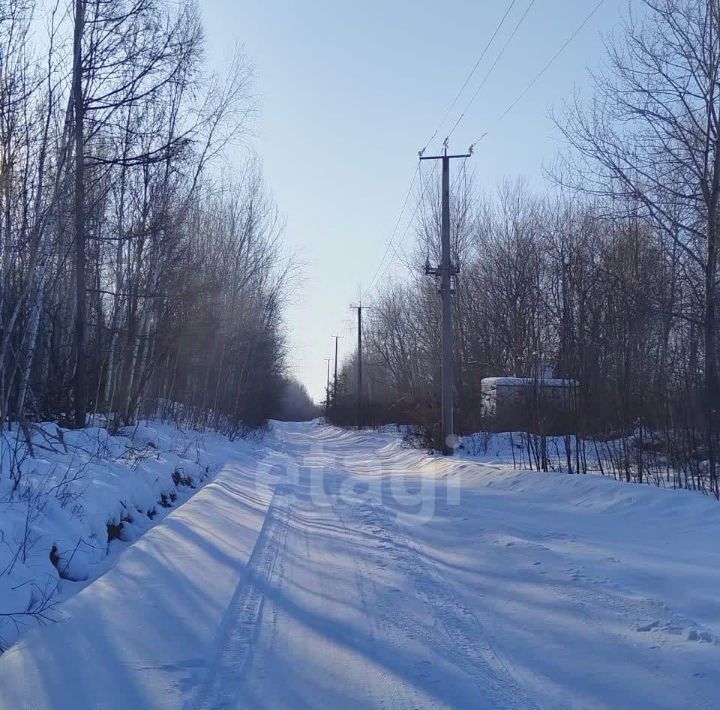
<point x="542" y="404"/>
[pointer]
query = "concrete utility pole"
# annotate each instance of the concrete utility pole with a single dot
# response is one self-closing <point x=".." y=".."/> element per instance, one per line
<point x="337" y="337"/>
<point x="359" y="310"/>
<point x="446" y="271"/>
<point x="328" y="360"/>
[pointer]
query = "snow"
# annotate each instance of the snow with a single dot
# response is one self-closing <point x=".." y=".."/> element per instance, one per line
<point x="67" y="511"/>
<point x="526" y="382"/>
<point x="323" y="568"/>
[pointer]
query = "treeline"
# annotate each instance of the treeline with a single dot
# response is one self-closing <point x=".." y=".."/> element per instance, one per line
<point x="612" y="277"/>
<point x="139" y="274"/>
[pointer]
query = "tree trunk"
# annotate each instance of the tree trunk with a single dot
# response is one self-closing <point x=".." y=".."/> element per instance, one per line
<point x="80" y="383"/>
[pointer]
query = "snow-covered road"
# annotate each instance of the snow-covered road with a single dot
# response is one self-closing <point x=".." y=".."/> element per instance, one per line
<point x="331" y="569"/>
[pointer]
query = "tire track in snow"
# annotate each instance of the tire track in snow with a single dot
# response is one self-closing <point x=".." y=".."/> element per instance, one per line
<point x="393" y="695"/>
<point x="462" y="640"/>
<point x="238" y="629"/>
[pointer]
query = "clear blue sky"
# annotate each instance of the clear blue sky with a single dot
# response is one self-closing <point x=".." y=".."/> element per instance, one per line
<point x="349" y="92"/>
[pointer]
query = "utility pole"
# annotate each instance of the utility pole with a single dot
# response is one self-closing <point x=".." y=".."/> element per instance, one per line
<point x="337" y="337"/>
<point x="359" y="310"/>
<point x="446" y="271"/>
<point x="327" y="385"/>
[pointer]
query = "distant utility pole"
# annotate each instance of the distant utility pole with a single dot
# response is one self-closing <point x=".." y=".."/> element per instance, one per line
<point x="446" y="271"/>
<point x="328" y="360"/>
<point x="337" y="337"/>
<point x="359" y="310"/>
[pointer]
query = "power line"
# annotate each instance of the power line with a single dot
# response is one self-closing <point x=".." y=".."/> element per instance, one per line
<point x="398" y="245"/>
<point x="402" y="238"/>
<point x="403" y="259"/>
<point x="422" y="202"/>
<point x="470" y="75"/>
<point x="382" y="267"/>
<point x="492" y="67"/>
<point x="418" y="204"/>
<point x="542" y="72"/>
<point x="391" y="244"/>
<point x="394" y="232"/>
<point x="422" y="185"/>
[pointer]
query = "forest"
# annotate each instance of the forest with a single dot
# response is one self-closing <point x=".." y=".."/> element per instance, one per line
<point x="143" y="272"/>
<point x="610" y="274"/>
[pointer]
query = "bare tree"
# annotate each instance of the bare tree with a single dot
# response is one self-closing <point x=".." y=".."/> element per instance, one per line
<point x="652" y="139"/>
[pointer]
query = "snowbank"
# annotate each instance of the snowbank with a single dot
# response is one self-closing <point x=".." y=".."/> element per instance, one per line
<point x="70" y="500"/>
<point x="640" y="457"/>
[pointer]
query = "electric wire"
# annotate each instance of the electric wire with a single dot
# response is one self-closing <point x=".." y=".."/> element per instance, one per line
<point x="470" y="75"/>
<point x="394" y="232"/>
<point x="490" y="70"/>
<point x="544" y="69"/>
<point x="418" y="173"/>
<point x="488" y="44"/>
